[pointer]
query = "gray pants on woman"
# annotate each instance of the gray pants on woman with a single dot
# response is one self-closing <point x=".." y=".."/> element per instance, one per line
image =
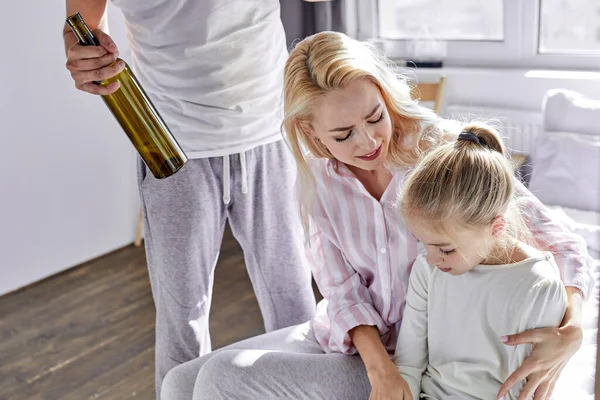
<point x="185" y="217"/>
<point x="285" y="364"/>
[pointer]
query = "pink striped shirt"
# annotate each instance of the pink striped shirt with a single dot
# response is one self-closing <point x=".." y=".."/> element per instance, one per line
<point x="361" y="254"/>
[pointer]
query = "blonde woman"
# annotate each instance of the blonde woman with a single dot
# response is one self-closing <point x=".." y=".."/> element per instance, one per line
<point x="479" y="276"/>
<point x="356" y="134"/>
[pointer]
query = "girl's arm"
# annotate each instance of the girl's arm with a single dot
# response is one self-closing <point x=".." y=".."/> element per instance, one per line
<point x="546" y="308"/>
<point x="412" y="353"/>
<point x="552" y="349"/>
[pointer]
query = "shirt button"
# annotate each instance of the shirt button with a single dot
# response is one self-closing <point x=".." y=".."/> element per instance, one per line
<point x="382" y="250"/>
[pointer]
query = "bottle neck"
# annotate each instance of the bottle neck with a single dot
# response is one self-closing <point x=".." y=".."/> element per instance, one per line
<point x="82" y="32"/>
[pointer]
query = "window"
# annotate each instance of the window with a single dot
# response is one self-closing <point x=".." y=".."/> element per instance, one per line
<point x="442" y="19"/>
<point x="542" y="34"/>
<point x="569" y="27"/>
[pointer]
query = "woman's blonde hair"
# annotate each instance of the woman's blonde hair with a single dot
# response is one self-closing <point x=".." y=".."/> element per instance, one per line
<point x="329" y="61"/>
<point x="465" y="184"/>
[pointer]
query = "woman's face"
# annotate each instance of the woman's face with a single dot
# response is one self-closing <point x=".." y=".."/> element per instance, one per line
<point x="354" y="124"/>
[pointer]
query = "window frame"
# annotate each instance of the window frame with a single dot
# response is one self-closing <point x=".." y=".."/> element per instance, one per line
<point x="519" y="49"/>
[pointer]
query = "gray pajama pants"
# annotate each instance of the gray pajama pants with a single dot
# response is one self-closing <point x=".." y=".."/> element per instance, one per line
<point x="184" y="223"/>
<point x="285" y="364"/>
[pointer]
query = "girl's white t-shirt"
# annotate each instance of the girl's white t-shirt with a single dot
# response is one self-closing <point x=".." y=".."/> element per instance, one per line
<point x="449" y="343"/>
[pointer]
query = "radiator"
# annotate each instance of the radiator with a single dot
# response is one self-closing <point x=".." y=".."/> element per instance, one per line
<point x="519" y="128"/>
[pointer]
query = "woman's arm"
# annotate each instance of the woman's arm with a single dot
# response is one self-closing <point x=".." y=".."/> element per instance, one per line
<point x="544" y="308"/>
<point x="386" y="381"/>
<point x="569" y="250"/>
<point x="551" y="349"/>
<point x="373" y="353"/>
<point x="573" y="317"/>
<point x="355" y="323"/>
<point x="349" y="299"/>
<point x="401" y="378"/>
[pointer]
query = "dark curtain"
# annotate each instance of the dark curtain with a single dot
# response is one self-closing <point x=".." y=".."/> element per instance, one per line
<point x="302" y="18"/>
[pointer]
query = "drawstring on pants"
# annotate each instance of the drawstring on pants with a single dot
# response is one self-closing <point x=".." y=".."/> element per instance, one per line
<point x="244" y="176"/>
<point x="227" y="177"/>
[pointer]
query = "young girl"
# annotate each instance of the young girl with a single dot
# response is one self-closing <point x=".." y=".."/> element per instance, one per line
<point x="355" y="133"/>
<point x="478" y="279"/>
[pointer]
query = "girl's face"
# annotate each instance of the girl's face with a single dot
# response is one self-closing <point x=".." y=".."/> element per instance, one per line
<point x="354" y="124"/>
<point x="457" y="254"/>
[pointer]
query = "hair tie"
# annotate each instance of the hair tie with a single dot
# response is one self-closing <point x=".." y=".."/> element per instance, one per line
<point x="470" y="136"/>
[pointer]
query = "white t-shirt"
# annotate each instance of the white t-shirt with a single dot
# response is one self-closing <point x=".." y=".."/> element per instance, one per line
<point x="448" y="345"/>
<point x="212" y="68"/>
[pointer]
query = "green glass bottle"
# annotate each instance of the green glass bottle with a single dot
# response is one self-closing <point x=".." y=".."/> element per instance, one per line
<point x="137" y="115"/>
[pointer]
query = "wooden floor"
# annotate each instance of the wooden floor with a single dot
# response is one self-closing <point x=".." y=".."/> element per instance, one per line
<point x="88" y="333"/>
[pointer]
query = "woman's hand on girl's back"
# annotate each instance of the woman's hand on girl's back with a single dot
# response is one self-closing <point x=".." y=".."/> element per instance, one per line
<point x="388" y="384"/>
<point x="551" y="350"/>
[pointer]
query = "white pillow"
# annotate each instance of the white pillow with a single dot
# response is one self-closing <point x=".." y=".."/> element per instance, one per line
<point x="566" y="170"/>
<point x="568" y="111"/>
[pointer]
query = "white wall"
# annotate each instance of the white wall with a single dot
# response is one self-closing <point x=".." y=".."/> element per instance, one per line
<point x="508" y="88"/>
<point x="67" y="171"/>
